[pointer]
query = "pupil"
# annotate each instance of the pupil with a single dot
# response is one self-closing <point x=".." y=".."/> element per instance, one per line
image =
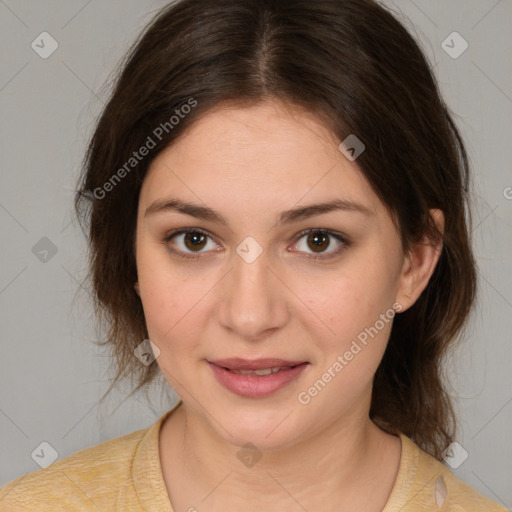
<point x="319" y="237"/>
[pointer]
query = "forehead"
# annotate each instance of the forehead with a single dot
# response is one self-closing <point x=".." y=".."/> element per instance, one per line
<point x="264" y="156"/>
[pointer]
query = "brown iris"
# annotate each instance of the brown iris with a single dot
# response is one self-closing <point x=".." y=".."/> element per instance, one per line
<point x="319" y="240"/>
<point x="195" y="240"/>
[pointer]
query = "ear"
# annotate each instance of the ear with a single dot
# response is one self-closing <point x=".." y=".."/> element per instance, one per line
<point x="419" y="265"/>
<point x="137" y="288"/>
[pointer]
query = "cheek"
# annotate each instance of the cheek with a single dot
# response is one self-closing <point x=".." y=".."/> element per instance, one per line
<point x="170" y="298"/>
<point x="171" y="308"/>
<point x="352" y="298"/>
<point x="355" y="306"/>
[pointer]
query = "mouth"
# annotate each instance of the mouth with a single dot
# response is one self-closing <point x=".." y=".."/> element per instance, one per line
<point x="270" y="365"/>
<point x="263" y="371"/>
<point x="256" y="378"/>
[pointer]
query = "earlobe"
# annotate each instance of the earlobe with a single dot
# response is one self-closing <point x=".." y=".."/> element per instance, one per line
<point x="420" y="264"/>
<point x="137" y="288"/>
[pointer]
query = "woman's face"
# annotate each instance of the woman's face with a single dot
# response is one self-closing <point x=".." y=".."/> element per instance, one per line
<point x="249" y="283"/>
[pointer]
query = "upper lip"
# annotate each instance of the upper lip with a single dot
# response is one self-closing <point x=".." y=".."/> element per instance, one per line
<point x="237" y="363"/>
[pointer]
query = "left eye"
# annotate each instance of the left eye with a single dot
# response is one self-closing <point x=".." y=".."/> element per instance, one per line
<point x="319" y="240"/>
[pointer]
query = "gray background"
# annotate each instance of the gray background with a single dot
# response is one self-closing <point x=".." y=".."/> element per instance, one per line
<point x="52" y="375"/>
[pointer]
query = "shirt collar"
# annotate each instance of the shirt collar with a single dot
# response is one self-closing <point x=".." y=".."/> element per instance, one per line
<point x="148" y="479"/>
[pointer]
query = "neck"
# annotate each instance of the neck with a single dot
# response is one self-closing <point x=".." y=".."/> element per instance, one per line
<point x="344" y="461"/>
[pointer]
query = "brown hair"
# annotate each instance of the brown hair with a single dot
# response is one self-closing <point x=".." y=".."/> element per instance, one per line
<point x="353" y="65"/>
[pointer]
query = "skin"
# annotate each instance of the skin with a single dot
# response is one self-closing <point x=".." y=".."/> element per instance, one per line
<point x="250" y="164"/>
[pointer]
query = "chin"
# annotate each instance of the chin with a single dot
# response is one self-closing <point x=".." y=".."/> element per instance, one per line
<point x="268" y="431"/>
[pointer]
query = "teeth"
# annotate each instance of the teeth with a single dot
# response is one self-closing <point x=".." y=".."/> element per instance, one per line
<point x="263" y="371"/>
<point x="275" y="370"/>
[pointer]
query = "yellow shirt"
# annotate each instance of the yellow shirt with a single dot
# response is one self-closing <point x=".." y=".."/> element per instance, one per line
<point x="124" y="474"/>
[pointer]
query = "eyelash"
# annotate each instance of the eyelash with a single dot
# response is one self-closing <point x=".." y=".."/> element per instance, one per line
<point x="311" y="257"/>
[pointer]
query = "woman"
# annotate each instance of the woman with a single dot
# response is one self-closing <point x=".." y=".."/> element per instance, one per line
<point x="275" y="196"/>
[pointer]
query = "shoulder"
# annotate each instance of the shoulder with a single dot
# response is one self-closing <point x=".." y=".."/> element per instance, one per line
<point x="462" y="497"/>
<point x="78" y="482"/>
<point x="432" y="484"/>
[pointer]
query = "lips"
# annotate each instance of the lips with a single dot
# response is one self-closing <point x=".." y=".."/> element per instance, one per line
<point x="257" y="378"/>
<point x="236" y="363"/>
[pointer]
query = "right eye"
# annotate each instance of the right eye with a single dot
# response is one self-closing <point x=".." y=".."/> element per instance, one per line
<point x="189" y="241"/>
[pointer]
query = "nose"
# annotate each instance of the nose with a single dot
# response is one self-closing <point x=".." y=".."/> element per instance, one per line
<point x="253" y="302"/>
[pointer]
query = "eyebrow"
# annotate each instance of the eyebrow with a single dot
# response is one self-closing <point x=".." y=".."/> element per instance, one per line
<point x="285" y="217"/>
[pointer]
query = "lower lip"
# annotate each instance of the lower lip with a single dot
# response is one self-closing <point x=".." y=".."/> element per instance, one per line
<point x="254" y="386"/>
